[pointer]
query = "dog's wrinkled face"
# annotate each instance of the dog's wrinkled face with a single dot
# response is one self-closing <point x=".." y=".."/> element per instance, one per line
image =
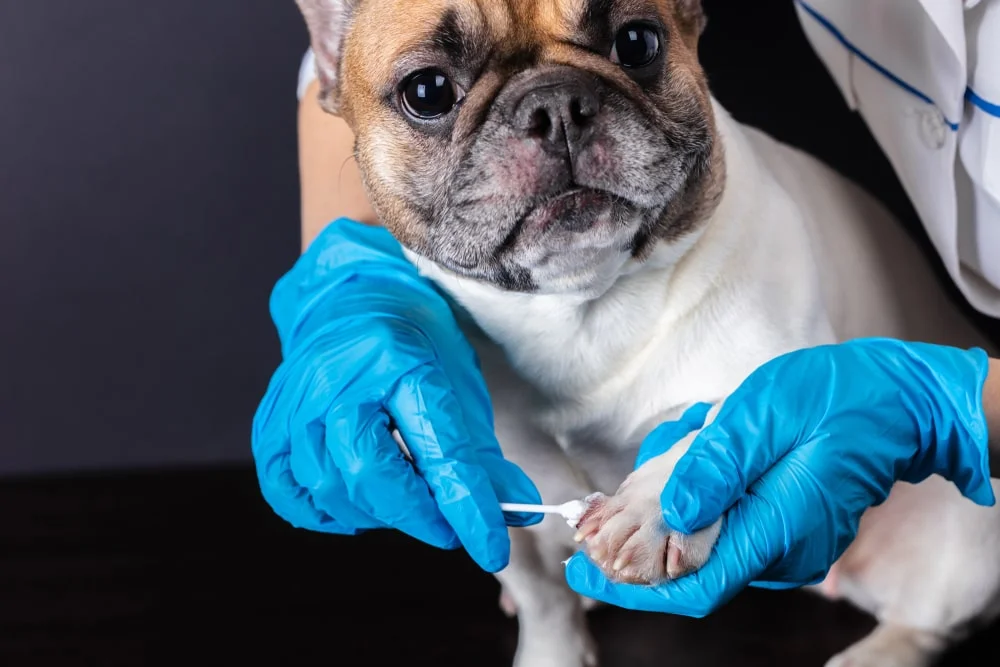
<point x="536" y="145"/>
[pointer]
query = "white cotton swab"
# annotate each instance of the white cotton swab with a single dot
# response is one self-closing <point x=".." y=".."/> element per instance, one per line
<point x="571" y="511"/>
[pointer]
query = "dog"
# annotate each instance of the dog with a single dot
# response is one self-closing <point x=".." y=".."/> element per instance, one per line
<point x="619" y="248"/>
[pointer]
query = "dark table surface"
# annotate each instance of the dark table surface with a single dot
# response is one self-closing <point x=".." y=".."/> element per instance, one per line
<point x="193" y="568"/>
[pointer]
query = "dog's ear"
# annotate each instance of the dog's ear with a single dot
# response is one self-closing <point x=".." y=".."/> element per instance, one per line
<point x="328" y="22"/>
<point x="692" y="14"/>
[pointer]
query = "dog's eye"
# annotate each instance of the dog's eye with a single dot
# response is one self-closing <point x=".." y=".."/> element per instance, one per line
<point x="428" y="94"/>
<point x="636" y="45"/>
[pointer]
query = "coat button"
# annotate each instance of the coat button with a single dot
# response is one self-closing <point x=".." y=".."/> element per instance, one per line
<point x="932" y="128"/>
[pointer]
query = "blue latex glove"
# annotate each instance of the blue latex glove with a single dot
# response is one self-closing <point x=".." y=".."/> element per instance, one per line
<point x="367" y="344"/>
<point x="797" y="454"/>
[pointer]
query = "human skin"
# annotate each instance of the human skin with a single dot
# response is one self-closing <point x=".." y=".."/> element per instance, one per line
<point x="330" y="181"/>
<point x="991" y="406"/>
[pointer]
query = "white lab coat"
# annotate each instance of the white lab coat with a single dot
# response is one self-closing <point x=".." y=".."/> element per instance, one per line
<point x="925" y="76"/>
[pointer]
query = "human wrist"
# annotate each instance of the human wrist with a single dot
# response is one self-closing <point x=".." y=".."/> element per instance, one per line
<point x="991" y="409"/>
<point x="943" y="389"/>
<point x="963" y="447"/>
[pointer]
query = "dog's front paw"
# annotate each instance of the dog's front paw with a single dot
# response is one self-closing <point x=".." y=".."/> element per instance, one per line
<point x="626" y="537"/>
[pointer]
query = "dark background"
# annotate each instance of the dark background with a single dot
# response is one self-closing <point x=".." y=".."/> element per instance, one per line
<point x="148" y="203"/>
<point x="149" y="200"/>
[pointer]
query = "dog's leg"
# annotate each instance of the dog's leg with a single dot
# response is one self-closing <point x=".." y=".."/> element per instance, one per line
<point x="893" y="646"/>
<point x="552" y="628"/>
<point x="553" y="550"/>
<point x="626" y="537"/>
<point x="925" y="564"/>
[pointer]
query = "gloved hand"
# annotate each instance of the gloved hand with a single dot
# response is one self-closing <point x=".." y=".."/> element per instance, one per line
<point x="367" y="345"/>
<point x="797" y="454"/>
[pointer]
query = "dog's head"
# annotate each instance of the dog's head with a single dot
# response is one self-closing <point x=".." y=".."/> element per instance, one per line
<point x="536" y="145"/>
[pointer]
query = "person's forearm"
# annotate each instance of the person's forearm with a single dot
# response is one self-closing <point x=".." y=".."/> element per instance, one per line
<point x="331" y="184"/>
<point x="991" y="407"/>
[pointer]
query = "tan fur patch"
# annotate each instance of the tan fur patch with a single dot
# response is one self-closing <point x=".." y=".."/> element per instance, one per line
<point x="388" y="36"/>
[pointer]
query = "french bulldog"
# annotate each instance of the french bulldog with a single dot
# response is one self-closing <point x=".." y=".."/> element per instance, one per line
<point x="621" y="248"/>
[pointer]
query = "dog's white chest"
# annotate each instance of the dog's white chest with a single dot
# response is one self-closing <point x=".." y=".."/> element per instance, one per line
<point x="687" y="325"/>
<point x="601" y="376"/>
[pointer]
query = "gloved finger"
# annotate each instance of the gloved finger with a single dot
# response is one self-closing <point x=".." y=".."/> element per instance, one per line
<point x="791" y="518"/>
<point x="378" y="480"/>
<point x="271" y="446"/>
<point x="667" y="434"/>
<point x="292" y="503"/>
<point x="511" y="485"/>
<point x="317" y="473"/>
<point x="761" y="531"/>
<point x="784" y="585"/>
<point x="723" y="461"/>
<point x="587" y="580"/>
<point x="430" y="421"/>
<point x="695" y="595"/>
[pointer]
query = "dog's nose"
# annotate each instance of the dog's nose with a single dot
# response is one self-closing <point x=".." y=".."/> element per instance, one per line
<point x="559" y="113"/>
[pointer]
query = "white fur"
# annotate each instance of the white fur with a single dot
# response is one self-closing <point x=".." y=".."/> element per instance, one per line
<point x="793" y="257"/>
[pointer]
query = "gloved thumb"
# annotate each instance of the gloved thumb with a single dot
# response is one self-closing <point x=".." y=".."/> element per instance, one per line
<point x="723" y="461"/>
<point x="511" y="485"/>
<point x="667" y="434"/>
<point x="700" y="489"/>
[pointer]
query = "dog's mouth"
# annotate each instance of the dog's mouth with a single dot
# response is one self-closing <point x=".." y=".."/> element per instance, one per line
<point x="576" y="210"/>
<point x="558" y="237"/>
